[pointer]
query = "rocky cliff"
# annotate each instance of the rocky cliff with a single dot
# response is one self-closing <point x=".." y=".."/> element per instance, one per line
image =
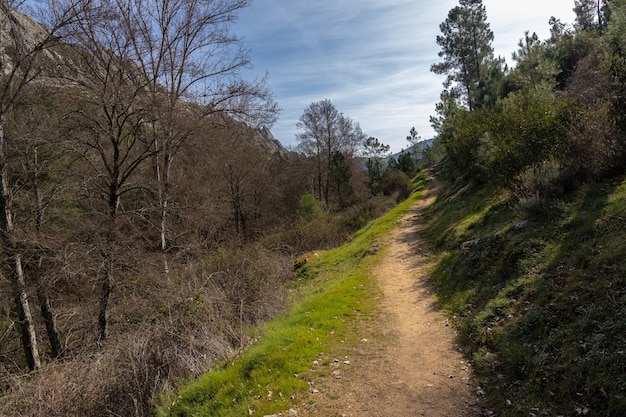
<point x="20" y="36"/>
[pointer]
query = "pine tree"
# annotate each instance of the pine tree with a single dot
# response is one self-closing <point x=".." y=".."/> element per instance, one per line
<point x="466" y="50"/>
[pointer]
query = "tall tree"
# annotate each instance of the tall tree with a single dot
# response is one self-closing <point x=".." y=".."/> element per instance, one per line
<point x="466" y="49"/>
<point x="340" y="174"/>
<point x="374" y="151"/>
<point x="39" y="164"/>
<point x="108" y="126"/>
<point x="592" y="14"/>
<point x="326" y="131"/>
<point x="187" y="52"/>
<point x="533" y="64"/>
<point x="245" y="174"/>
<point x="21" y="60"/>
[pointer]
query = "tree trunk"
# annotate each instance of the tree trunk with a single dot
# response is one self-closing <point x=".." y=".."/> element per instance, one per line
<point x="17" y="279"/>
<point x="49" y="320"/>
<point x="163" y="178"/>
<point x="105" y="295"/>
<point x="42" y="293"/>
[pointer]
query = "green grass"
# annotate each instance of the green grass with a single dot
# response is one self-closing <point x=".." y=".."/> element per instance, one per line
<point x="332" y="293"/>
<point x="541" y="308"/>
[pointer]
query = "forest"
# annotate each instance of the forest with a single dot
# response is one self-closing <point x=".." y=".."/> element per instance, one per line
<point x="554" y="120"/>
<point x="148" y="217"/>
<point x="148" y="214"/>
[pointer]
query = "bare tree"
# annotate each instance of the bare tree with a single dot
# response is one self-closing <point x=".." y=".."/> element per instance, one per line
<point x="188" y="54"/>
<point x="108" y="125"/>
<point x="39" y="167"/>
<point x="327" y="131"/>
<point x="245" y="176"/>
<point x="24" y="48"/>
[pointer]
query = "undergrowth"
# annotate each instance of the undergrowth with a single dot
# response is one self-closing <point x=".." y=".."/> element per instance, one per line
<point x="332" y="291"/>
<point x="540" y="300"/>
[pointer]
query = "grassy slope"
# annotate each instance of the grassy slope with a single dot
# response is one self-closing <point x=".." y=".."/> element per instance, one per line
<point x="332" y="292"/>
<point x="541" y="306"/>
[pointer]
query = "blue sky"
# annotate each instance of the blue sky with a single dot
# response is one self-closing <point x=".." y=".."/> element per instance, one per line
<point x="371" y="58"/>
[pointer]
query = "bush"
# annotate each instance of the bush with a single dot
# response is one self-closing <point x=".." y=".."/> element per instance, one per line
<point x="310" y="208"/>
<point x="396" y="184"/>
<point x="358" y="216"/>
<point x="166" y="329"/>
<point x="595" y="149"/>
<point x="541" y="186"/>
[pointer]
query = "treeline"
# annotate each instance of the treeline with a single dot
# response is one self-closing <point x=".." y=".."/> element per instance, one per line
<point x="145" y="221"/>
<point x="531" y="229"/>
<point x="555" y="120"/>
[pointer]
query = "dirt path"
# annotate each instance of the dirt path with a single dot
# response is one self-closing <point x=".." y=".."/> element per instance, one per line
<point x="409" y="365"/>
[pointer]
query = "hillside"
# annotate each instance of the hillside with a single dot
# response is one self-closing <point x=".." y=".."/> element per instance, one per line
<point x="537" y="301"/>
<point x="148" y="218"/>
<point x="539" y="297"/>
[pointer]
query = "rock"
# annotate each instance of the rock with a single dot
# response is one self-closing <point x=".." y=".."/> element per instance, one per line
<point x="375" y="249"/>
<point x="467" y="246"/>
<point x="521" y="225"/>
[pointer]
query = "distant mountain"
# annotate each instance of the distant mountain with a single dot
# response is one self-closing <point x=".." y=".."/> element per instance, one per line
<point x="422" y="145"/>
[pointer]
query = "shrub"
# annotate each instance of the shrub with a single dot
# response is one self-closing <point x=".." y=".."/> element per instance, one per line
<point x="541" y="186"/>
<point x="310" y="208"/>
<point x="397" y="184"/>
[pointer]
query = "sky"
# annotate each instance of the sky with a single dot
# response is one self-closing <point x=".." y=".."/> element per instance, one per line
<point x="371" y="58"/>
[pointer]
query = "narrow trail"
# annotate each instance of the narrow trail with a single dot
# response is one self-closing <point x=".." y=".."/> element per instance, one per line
<point x="406" y="364"/>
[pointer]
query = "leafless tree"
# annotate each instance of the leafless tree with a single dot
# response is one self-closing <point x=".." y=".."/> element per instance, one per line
<point x="108" y="124"/>
<point x="244" y="171"/>
<point x="327" y="131"/>
<point x="188" y="54"/>
<point x="24" y="50"/>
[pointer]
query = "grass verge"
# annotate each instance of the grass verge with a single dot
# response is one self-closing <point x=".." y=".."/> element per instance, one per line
<point x="539" y="300"/>
<point x="331" y="293"/>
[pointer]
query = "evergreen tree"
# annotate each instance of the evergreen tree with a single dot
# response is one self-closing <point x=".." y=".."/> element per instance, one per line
<point x="374" y="151"/>
<point x="340" y="174"/>
<point x="466" y="50"/>
<point x="591" y="14"/>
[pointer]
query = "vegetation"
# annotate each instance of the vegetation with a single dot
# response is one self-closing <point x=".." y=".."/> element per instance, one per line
<point x="538" y="299"/>
<point x="333" y="291"/>
<point x="148" y="232"/>
<point x="147" y="217"/>
<point x="531" y="230"/>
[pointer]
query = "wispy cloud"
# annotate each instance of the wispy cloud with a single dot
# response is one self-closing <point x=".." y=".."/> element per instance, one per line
<point x="370" y="58"/>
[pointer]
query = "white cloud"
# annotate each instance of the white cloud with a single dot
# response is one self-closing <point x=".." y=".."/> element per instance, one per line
<point x="370" y="58"/>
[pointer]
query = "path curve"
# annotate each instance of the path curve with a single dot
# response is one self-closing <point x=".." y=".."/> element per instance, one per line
<point x="410" y="367"/>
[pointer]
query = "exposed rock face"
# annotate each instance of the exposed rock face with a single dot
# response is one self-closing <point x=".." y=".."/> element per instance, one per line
<point x="19" y="34"/>
<point x="268" y="142"/>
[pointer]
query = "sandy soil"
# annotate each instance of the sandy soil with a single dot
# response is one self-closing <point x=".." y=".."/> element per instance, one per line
<point x="407" y="363"/>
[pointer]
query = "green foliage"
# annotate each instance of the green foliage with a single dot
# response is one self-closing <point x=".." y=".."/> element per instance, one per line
<point x="407" y="164"/>
<point x="497" y="146"/>
<point x="375" y="170"/>
<point x="466" y="49"/>
<point x="534" y="65"/>
<point x="530" y="129"/>
<point x="310" y="208"/>
<point x="433" y="153"/>
<point x="340" y="174"/>
<point x="396" y="183"/>
<point x="540" y="301"/>
<point x="334" y="291"/>
<point x="615" y="50"/>
<point x="562" y="104"/>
